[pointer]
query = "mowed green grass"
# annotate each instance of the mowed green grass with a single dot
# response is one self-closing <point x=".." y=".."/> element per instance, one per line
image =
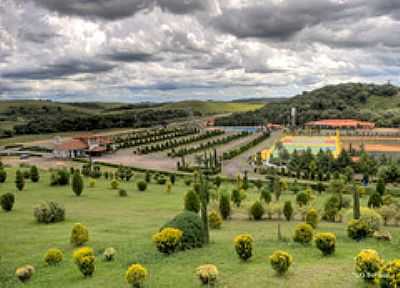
<point x="127" y="224"/>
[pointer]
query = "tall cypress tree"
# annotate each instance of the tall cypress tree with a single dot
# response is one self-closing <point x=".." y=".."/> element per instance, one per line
<point x="204" y="199"/>
<point x="77" y="183"/>
<point x="34" y="174"/>
<point x="356" y="202"/>
<point x="19" y="180"/>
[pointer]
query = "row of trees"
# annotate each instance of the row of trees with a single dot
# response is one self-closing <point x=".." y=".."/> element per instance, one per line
<point x="178" y="142"/>
<point x="203" y="146"/>
<point x="239" y="150"/>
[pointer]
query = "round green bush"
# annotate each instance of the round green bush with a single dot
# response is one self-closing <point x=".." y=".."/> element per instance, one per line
<point x="357" y="229"/>
<point x="3" y="175"/>
<point x="53" y="256"/>
<point x="34" y="174"/>
<point x="162" y="180"/>
<point x="122" y="193"/>
<point x="266" y="195"/>
<point x="326" y="243"/>
<point x="192" y="201"/>
<point x="49" y="212"/>
<point x="141" y="185"/>
<point x="302" y="199"/>
<point x="79" y="234"/>
<point x="257" y="210"/>
<point x="280" y="261"/>
<point x="191" y="226"/>
<point x="7" y="201"/>
<point x="371" y="218"/>
<point x="303" y="233"/>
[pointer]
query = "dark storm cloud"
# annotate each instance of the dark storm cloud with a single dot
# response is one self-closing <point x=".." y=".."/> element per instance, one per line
<point x="118" y="9"/>
<point x="60" y="70"/>
<point x="38" y="38"/>
<point x="125" y="56"/>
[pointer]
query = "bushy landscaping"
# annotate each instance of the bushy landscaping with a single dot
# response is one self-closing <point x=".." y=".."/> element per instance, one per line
<point x="272" y="256"/>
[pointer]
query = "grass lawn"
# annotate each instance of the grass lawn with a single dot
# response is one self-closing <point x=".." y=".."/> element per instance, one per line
<point x="127" y="224"/>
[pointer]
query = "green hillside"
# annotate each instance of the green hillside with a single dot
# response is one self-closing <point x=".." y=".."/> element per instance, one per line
<point x="377" y="103"/>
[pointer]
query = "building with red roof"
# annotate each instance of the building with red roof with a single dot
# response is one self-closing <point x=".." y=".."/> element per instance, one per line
<point x="82" y="146"/>
<point x="340" y="124"/>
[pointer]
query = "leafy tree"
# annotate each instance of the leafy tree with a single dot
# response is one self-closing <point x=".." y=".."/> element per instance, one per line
<point x="77" y="183"/>
<point x="34" y="174"/>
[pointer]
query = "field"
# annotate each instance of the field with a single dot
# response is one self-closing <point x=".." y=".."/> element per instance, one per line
<point x="127" y="224"/>
<point x="315" y="143"/>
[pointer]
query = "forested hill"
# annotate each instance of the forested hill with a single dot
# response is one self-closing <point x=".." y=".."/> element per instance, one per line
<point x="377" y="103"/>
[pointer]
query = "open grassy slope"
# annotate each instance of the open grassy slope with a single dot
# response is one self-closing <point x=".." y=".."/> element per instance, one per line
<point x="127" y="224"/>
<point x="211" y="107"/>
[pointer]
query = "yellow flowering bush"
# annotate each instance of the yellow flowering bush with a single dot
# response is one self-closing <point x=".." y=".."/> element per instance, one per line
<point x="79" y="234"/>
<point x="280" y="261"/>
<point x="53" y="256"/>
<point x="368" y="264"/>
<point x="92" y="183"/>
<point x="303" y="233"/>
<point x="114" y="184"/>
<point x="326" y="243"/>
<point x="208" y="274"/>
<point x="389" y="276"/>
<point x="84" y="258"/>
<point x="244" y="246"/>
<point x="168" y="240"/>
<point x="136" y="275"/>
<point x="25" y="273"/>
<point x="214" y="220"/>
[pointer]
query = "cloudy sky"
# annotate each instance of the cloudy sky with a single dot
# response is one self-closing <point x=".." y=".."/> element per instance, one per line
<point x="166" y="50"/>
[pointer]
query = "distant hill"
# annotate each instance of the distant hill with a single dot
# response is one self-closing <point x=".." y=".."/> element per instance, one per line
<point x="42" y="116"/>
<point x="260" y="100"/>
<point x="377" y="103"/>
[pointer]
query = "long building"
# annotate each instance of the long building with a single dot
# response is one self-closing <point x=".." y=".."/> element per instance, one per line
<point x="340" y="124"/>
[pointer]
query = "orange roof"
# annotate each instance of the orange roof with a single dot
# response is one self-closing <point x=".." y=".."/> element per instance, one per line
<point x="73" y="144"/>
<point x="382" y="148"/>
<point x="341" y="123"/>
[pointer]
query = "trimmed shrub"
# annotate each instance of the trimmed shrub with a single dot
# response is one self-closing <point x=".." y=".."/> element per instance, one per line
<point x="19" y="180"/>
<point x="331" y="208"/>
<point x="7" y="201"/>
<point x="53" y="256"/>
<point x="375" y="200"/>
<point x="357" y="229"/>
<point x="288" y="210"/>
<point x="92" y="183"/>
<point x="25" y="273"/>
<point x="303" y="233"/>
<point x="326" y="243"/>
<point x="77" y="183"/>
<point x="244" y="246"/>
<point x="208" y="274"/>
<point x="191" y="226"/>
<point x="26" y="174"/>
<point x="389" y="276"/>
<point x="172" y="178"/>
<point x="372" y="218"/>
<point x="141" y="185"/>
<point x="257" y="211"/>
<point x="266" y="196"/>
<point x="224" y="206"/>
<point x="136" y="275"/>
<point x="79" y="234"/>
<point x="312" y="217"/>
<point x="114" y="184"/>
<point x="192" y="201"/>
<point x="147" y="177"/>
<point x="188" y="182"/>
<point x="168" y="240"/>
<point x="280" y="261"/>
<point x="3" y="175"/>
<point x="236" y="197"/>
<point x="49" y="212"/>
<point x="109" y="254"/>
<point x="214" y="220"/>
<point x="161" y="180"/>
<point x="34" y="174"/>
<point x="168" y="187"/>
<point x="302" y="199"/>
<point x="122" y="193"/>
<point x="84" y="258"/>
<point x="59" y="177"/>
<point x="367" y="264"/>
